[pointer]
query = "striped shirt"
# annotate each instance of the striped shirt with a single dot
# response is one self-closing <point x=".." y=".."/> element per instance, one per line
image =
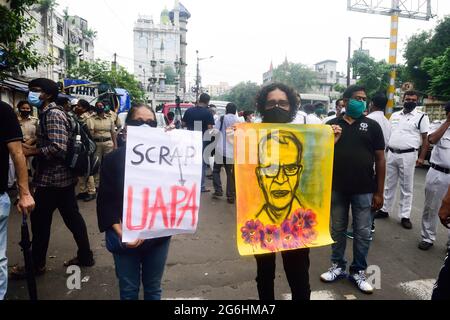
<point x="52" y="140"/>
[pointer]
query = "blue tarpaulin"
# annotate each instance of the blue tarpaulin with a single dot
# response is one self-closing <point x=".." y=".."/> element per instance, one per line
<point x="124" y="99"/>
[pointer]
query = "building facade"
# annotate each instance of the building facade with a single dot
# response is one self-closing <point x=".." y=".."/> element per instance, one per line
<point x="67" y="39"/>
<point x="159" y="48"/>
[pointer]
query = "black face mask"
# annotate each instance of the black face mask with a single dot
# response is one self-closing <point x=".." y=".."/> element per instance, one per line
<point x="25" y="114"/>
<point x="410" y="106"/>
<point x="138" y="123"/>
<point x="277" y="115"/>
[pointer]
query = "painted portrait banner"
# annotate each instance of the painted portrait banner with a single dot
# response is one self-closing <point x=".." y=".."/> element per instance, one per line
<point x="283" y="186"/>
<point x="162" y="183"/>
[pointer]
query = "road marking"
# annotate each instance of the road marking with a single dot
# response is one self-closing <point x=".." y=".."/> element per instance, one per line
<point x="419" y="289"/>
<point x="350" y="297"/>
<point x="315" y="295"/>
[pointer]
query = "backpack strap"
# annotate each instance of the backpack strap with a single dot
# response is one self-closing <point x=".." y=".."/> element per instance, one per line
<point x="222" y="118"/>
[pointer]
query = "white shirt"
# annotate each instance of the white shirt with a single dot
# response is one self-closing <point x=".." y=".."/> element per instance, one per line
<point x="441" y="151"/>
<point x="405" y="131"/>
<point x="303" y="118"/>
<point x="328" y="119"/>
<point x="384" y="123"/>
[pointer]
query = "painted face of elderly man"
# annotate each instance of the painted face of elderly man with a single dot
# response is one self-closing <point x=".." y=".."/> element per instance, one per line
<point x="279" y="172"/>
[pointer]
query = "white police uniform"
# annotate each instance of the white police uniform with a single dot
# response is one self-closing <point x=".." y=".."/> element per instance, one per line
<point x="436" y="187"/>
<point x="403" y="147"/>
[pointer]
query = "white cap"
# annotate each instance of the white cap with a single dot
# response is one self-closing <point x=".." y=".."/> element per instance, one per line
<point x="74" y="102"/>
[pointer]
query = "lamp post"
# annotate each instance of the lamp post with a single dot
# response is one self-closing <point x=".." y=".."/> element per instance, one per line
<point x="372" y="38"/>
<point x="198" y="79"/>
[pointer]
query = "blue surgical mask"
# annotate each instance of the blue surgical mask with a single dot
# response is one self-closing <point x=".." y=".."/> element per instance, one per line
<point x="355" y="108"/>
<point x="34" y="99"/>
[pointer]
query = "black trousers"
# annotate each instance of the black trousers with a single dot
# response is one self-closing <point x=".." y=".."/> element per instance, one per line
<point x="47" y="201"/>
<point x="296" y="266"/>
<point x="442" y="289"/>
<point x="229" y="168"/>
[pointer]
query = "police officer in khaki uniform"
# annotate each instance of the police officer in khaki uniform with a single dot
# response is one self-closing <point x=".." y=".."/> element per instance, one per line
<point x="110" y="113"/>
<point x="88" y="192"/>
<point x="28" y="124"/>
<point x="409" y="133"/>
<point x="437" y="182"/>
<point x="103" y="131"/>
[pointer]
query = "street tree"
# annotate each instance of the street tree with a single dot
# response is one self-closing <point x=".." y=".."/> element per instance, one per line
<point x="101" y="71"/>
<point x="425" y="45"/>
<point x="372" y="74"/>
<point x="170" y="75"/>
<point x="17" y="52"/>
<point x="439" y="71"/>
<point x="295" y="75"/>
<point x="243" y="95"/>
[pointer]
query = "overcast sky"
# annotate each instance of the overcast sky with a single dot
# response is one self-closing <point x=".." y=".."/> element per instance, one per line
<point x="244" y="36"/>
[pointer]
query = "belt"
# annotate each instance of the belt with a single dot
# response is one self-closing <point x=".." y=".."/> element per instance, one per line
<point x="438" y="168"/>
<point x="102" y="139"/>
<point x="402" y="151"/>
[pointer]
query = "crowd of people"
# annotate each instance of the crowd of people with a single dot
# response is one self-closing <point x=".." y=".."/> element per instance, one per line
<point x="380" y="152"/>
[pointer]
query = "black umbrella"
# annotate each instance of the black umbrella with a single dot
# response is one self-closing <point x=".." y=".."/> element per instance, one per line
<point x="25" y="244"/>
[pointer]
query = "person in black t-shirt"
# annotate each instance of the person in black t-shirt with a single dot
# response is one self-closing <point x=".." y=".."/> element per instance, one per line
<point x="199" y="118"/>
<point x="355" y="184"/>
<point x="11" y="144"/>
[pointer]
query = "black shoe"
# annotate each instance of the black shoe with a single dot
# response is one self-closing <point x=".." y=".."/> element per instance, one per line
<point x="77" y="262"/>
<point x="231" y="201"/>
<point x="90" y="197"/>
<point x="425" y="246"/>
<point x="373" y="228"/>
<point x="381" y="215"/>
<point x="82" y="196"/>
<point x="20" y="273"/>
<point x="406" y="223"/>
<point x="217" y="195"/>
<point x="206" y="191"/>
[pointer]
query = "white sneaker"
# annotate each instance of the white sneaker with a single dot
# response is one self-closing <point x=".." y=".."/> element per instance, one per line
<point x="333" y="274"/>
<point x="360" y="280"/>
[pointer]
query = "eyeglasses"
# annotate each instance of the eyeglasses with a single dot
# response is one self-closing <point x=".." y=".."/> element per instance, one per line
<point x="138" y="123"/>
<point x="284" y="104"/>
<point x="274" y="170"/>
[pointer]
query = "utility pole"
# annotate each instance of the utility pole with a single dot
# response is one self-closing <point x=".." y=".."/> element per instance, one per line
<point x="114" y="64"/>
<point x="409" y="9"/>
<point x="393" y="58"/>
<point x="197" y="81"/>
<point x="348" y="60"/>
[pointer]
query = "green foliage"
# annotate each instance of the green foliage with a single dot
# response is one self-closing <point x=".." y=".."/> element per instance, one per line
<point x="170" y="75"/>
<point x="439" y="70"/>
<point x="90" y="34"/>
<point x="46" y="6"/>
<point x="243" y="95"/>
<point x="20" y="54"/>
<point x="295" y="75"/>
<point x="340" y="88"/>
<point x="373" y="75"/>
<point x="425" y="45"/>
<point x="100" y="71"/>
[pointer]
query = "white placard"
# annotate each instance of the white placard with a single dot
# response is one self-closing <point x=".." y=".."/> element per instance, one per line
<point x="162" y="183"/>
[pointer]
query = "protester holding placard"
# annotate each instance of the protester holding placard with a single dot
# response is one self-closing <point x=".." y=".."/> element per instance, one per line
<point x="146" y="257"/>
<point x="279" y="179"/>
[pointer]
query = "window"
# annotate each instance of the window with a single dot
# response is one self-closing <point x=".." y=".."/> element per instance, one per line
<point x="83" y="25"/>
<point x="59" y="29"/>
<point x="61" y="53"/>
<point x="86" y="47"/>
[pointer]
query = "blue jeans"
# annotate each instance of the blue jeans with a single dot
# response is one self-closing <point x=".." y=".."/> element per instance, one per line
<point x="5" y="206"/>
<point x="146" y="262"/>
<point x="362" y="222"/>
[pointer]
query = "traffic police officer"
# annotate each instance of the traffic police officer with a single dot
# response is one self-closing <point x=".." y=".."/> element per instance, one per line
<point x="409" y="132"/>
<point x="103" y="131"/>
<point x="437" y="182"/>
